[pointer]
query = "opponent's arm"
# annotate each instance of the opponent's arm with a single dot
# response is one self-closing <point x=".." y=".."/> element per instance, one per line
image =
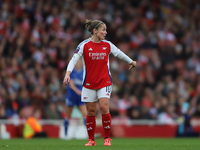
<point x="73" y="87"/>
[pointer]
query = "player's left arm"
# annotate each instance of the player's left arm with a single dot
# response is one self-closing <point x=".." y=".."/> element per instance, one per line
<point x="132" y="65"/>
<point x="119" y="54"/>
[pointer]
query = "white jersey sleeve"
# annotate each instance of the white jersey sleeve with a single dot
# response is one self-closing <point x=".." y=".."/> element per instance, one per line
<point x="119" y="54"/>
<point x="73" y="62"/>
<point x="77" y="54"/>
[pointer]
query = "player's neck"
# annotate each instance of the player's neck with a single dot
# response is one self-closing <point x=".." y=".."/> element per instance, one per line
<point x="95" y="39"/>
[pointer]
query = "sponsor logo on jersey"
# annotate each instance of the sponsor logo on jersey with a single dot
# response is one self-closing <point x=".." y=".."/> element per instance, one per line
<point x="97" y="54"/>
<point x="85" y="97"/>
<point x="78" y="82"/>
<point x="87" y="83"/>
<point x="90" y="49"/>
<point x="104" y="48"/>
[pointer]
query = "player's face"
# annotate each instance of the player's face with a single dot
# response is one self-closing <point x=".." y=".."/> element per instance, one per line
<point x="101" y="32"/>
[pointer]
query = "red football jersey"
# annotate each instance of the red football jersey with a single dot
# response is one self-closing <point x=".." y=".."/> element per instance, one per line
<point x="95" y="58"/>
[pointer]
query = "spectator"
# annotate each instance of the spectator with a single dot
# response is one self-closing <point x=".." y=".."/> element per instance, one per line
<point x="52" y="112"/>
<point x="37" y="38"/>
<point x="114" y="106"/>
<point x="169" y="116"/>
<point x="197" y="112"/>
<point x="2" y="112"/>
<point x="133" y="111"/>
<point x="154" y="111"/>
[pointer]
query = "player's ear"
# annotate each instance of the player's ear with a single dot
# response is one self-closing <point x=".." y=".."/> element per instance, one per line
<point x="94" y="31"/>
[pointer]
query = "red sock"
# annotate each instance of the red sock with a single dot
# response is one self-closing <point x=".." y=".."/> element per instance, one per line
<point x="106" y="122"/>
<point x="90" y="125"/>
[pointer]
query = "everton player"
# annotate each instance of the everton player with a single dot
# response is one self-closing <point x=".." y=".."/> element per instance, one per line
<point x="73" y="96"/>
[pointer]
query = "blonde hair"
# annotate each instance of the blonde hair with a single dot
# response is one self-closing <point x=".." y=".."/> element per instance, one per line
<point x="92" y="24"/>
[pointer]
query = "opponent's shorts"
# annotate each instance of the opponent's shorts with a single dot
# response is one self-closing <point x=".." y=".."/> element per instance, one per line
<point x="73" y="100"/>
<point x="93" y="95"/>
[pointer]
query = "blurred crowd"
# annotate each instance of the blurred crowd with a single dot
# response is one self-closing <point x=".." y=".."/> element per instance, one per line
<point x="38" y="38"/>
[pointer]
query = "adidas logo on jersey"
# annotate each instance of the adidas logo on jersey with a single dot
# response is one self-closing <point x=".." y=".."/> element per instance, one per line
<point x="90" y="49"/>
<point x="107" y="127"/>
<point x="90" y="128"/>
<point x="104" y="48"/>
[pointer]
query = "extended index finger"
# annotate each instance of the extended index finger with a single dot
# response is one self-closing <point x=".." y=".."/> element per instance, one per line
<point x="130" y="67"/>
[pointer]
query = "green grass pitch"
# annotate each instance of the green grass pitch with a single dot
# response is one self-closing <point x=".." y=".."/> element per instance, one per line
<point x="117" y="144"/>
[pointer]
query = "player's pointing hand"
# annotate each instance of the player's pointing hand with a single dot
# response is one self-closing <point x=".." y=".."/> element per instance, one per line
<point x="133" y="65"/>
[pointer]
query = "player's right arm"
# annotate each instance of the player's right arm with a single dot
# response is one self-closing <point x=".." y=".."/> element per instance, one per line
<point x="77" y="54"/>
<point x="70" y="67"/>
<point x="67" y="77"/>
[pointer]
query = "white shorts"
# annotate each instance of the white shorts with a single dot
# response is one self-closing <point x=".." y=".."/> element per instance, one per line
<point x="93" y="95"/>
